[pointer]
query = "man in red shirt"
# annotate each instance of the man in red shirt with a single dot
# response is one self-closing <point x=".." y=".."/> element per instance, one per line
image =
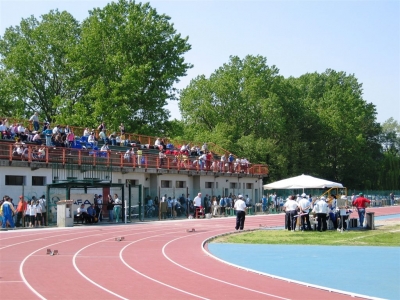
<point x="361" y="203"/>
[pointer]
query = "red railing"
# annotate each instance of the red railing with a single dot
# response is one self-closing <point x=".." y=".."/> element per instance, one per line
<point x="116" y="158"/>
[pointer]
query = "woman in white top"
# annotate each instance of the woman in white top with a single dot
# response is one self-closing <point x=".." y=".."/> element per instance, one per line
<point x="92" y="139"/>
<point x="117" y="207"/>
<point x="38" y="214"/>
<point x="31" y="212"/>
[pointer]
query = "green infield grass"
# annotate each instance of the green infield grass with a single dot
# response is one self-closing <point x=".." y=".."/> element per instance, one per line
<point x="382" y="236"/>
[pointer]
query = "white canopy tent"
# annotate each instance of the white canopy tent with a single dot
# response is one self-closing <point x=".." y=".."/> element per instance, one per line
<point x="301" y="182"/>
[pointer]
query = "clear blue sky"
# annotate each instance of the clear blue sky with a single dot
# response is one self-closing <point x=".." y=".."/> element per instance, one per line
<point x="358" y="37"/>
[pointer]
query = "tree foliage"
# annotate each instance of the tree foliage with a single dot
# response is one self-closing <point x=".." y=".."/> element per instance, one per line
<point x="316" y="124"/>
<point x="119" y="65"/>
<point x="35" y="66"/>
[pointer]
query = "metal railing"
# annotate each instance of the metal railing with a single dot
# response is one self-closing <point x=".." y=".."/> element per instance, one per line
<point x="114" y="158"/>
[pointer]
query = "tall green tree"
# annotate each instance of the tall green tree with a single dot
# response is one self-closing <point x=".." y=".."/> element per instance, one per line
<point x="317" y="124"/>
<point x="130" y="59"/>
<point x="35" y="66"/>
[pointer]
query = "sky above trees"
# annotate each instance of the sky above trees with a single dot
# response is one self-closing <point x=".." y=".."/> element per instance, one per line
<point x="298" y="37"/>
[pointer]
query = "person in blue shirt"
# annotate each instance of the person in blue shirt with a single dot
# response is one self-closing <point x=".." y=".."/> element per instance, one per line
<point x="92" y="213"/>
<point x="264" y="203"/>
<point x="7" y="209"/>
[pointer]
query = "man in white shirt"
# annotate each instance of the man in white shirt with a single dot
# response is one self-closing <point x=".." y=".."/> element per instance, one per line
<point x="321" y="209"/>
<point x="55" y="129"/>
<point x="305" y="206"/>
<point x="290" y="208"/>
<point x="240" y="207"/>
<point x="83" y="212"/>
<point x="197" y="201"/>
<point x="35" y="120"/>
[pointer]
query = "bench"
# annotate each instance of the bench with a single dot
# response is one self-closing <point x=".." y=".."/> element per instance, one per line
<point x="78" y="218"/>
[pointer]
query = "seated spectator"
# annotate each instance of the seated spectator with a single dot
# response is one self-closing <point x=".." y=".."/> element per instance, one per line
<point x="56" y="130"/>
<point x="92" y="212"/>
<point x="36" y="138"/>
<point x="102" y="136"/>
<point x="92" y="139"/>
<point x="82" y="211"/>
<point x="42" y="152"/>
<point x="57" y="140"/>
<point x="105" y="147"/>
<point x="129" y="154"/>
<point x="14" y="130"/>
<point x="86" y="132"/>
<point x="35" y="152"/>
<point x="18" y="149"/>
<point x="70" y="138"/>
<point x="112" y="138"/>
<point x="118" y="140"/>
<point x="25" y="152"/>
<point x="67" y="130"/>
<point x="157" y="143"/>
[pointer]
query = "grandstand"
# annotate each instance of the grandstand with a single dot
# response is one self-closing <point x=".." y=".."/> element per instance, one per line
<point x="82" y="168"/>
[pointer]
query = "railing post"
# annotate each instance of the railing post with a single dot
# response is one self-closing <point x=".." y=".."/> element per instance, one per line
<point x="47" y="155"/>
<point x="10" y="151"/>
<point x="79" y="157"/>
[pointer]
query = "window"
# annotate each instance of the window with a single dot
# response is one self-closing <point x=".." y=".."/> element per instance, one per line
<point x="38" y="180"/>
<point x="15" y="180"/>
<point x="180" y="184"/>
<point x="233" y="185"/>
<point x="209" y="185"/>
<point x="132" y="182"/>
<point x="249" y="186"/>
<point x="166" y="183"/>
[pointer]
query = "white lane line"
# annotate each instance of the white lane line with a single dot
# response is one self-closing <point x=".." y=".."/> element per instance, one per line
<point x="38" y="239"/>
<point x="213" y="278"/>
<point x="21" y="266"/>
<point x="87" y="278"/>
<point x="150" y="278"/>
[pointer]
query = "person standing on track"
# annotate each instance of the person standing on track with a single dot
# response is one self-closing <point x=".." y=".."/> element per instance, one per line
<point x="117" y="207"/>
<point x="361" y="203"/>
<point x="240" y="207"/>
<point x="7" y="209"/>
<point x="21" y="208"/>
<point x="110" y="208"/>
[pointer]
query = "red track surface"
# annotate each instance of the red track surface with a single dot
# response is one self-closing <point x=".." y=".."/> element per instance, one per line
<point x="155" y="260"/>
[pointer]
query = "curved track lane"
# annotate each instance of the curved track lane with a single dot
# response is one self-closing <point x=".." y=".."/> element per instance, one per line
<point x="155" y="260"/>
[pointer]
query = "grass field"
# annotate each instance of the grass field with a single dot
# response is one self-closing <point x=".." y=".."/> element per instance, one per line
<point x="383" y="236"/>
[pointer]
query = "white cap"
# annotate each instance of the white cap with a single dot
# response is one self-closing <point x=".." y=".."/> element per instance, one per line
<point x="323" y="198"/>
<point x="344" y="197"/>
<point x="240" y="197"/>
<point x="304" y="195"/>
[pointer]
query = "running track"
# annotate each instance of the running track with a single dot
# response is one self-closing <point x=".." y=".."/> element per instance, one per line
<point x="157" y="260"/>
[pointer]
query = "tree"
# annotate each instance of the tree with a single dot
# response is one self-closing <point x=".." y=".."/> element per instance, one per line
<point x="316" y="124"/>
<point x="130" y="58"/>
<point x="35" y="67"/>
<point x="390" y="137"/>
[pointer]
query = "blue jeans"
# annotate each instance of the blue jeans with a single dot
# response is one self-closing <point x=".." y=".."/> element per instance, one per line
<point x="36" y="125"/>
<point x="361" y="215"/>
<point x="110" y="215"/>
